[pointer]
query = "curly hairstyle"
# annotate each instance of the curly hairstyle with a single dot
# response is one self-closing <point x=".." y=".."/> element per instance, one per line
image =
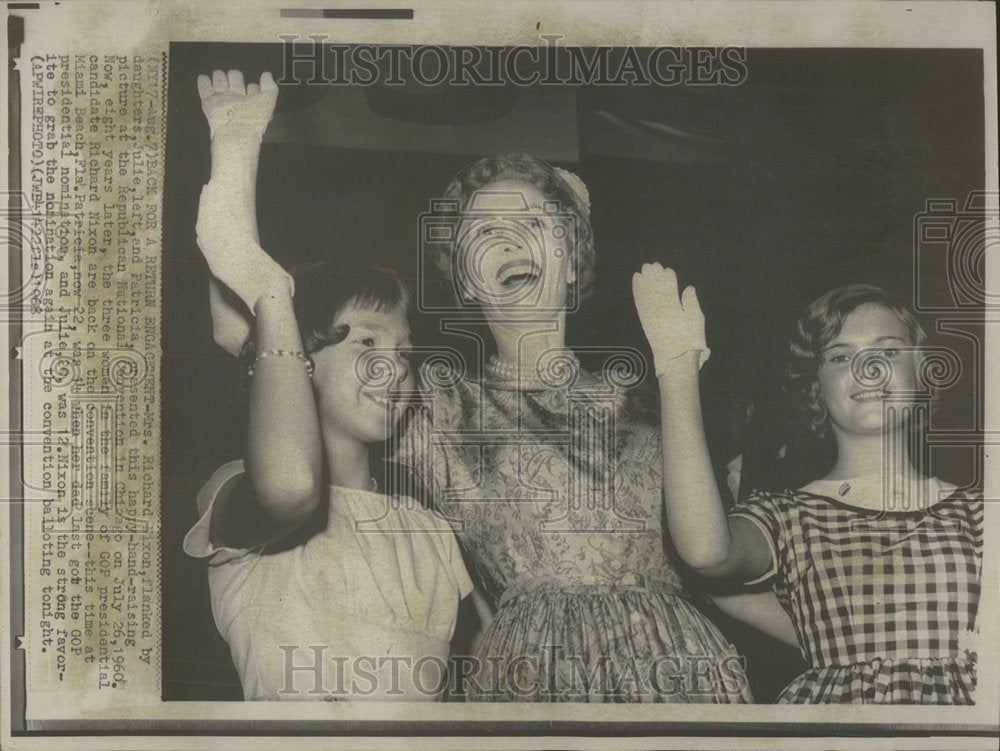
<point x="324" y="288"/>
<point x="555" y="184"/>
<point x="816" y="328"/>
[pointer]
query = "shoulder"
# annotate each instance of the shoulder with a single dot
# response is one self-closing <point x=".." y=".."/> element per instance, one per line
<point x="232" y="517"/>
<point x="950" y="492"/>
<point x="447" y="393"/>
<point x="764" y="505"/>
<point x="770" y="499"/>
<point x="777" y="512"/>
<point x="203" y="539"/>
<point x="968" y="503"/>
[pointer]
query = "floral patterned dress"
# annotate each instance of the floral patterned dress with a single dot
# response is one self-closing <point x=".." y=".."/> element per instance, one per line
<point x="555" y="493"/>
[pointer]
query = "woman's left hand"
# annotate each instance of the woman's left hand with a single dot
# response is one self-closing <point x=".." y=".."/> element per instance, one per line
<point x="674" y="324"/>
<point x="230" y="106"/>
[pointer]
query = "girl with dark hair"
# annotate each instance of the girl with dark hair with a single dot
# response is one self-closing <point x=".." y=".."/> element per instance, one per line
<point x="877" y="564"/>
<point x="309" y="562"/>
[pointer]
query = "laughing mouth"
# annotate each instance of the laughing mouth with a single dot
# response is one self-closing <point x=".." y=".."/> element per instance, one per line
<point x="381" y="399"/>
<point x="869" y="396"/>
<point x="518" y="272"/>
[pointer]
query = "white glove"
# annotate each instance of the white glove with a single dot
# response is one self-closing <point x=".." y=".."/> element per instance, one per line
<point x="673" y="325"/>
<point x="234" y="108"/>
<point x="233" y="255"/>
<point x="226" y="227"/>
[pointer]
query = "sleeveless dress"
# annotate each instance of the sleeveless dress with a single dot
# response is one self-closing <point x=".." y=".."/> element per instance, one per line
<point x="556" y="496"/>
<point x="884" y="603"/>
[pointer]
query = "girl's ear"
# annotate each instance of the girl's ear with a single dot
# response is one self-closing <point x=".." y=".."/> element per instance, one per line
<point x="919" y="374"/>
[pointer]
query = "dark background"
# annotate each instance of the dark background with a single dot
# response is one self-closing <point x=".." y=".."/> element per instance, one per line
<point x="764" y="195"/>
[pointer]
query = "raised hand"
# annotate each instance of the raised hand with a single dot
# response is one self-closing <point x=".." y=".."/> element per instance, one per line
<point x="674" y="324"/>
<point x="227" y="224"/>
<point x="230" y="106"/>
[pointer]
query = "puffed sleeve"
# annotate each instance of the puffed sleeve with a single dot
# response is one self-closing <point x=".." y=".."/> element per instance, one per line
<point x="198" y="542"/>
<point x="763" y="511"/>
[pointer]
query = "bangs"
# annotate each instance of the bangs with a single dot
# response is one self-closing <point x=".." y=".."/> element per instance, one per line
<point x="323" y="290"/>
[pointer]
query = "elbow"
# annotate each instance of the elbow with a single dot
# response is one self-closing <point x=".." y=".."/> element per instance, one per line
<point x="229" y="340"/>
<point x="708" y="563"/>
<point x="290" y="512"/>
<point x="288" y="499"/>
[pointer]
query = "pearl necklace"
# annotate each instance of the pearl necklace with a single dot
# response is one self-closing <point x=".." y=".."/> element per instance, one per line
<point x="551" y="372"/>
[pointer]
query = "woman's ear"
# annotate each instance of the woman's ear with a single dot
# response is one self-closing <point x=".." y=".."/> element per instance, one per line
<point x="919" y="355"/>
<point x="571" y="269"/>
<point x="462" y="287"/>
<point x="442" y="259"/>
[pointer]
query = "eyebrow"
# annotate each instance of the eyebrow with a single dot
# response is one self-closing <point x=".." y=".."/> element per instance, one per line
<point x="890" y="337"/>
<point x="378" y="328"/>
<point x="370" y="325"/>
<point x="886" y="338"/>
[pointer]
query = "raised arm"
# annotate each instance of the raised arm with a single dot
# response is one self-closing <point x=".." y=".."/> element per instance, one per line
<point x="284" y="446"/>
<point x="703" y="536"/>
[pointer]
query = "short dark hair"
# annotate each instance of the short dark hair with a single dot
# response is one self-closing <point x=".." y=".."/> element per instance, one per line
<point x="816" y="328"/>
<point x="324" y="288"/>
<point x="546" y="178"/>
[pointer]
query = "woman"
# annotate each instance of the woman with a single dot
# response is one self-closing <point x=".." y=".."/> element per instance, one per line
<point x="877" y="564"/>
<point x="550" y="474"/>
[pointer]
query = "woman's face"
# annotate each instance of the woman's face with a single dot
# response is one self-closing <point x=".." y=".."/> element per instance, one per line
<point x="515" y="249"/>
<point x="870" y="366"/>
<point x="358" y="380"/>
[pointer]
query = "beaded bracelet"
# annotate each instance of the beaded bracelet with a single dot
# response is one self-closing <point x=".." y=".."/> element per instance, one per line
<point x="297" y="354"/>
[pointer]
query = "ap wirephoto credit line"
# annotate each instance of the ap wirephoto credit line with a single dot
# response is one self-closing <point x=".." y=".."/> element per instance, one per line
<point x="557" y="376"/>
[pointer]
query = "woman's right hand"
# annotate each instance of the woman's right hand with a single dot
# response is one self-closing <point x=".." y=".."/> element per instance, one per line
<point x="234" y="108"/>
<point x="674" y="324"/>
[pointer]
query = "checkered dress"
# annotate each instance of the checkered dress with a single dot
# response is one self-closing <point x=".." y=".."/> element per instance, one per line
<point x="883" y="603"/>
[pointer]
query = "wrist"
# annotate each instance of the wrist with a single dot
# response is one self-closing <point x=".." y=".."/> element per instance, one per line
<point x="235" y="151"/>
<point x="238" y="133"/>
<point x="276" y="295"/>
<point x="685" y="362"/>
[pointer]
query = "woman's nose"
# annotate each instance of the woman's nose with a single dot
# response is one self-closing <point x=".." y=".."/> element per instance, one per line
<point x="871" y="369"/>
